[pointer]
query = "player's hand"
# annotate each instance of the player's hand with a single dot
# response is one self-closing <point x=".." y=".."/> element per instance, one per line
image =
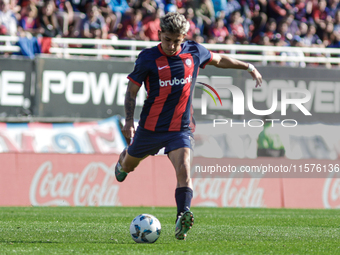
<point x="257" y="77"/>
<point x="128" y="129"/>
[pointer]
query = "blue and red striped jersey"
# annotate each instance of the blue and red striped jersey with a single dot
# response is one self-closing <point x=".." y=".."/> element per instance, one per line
<point x="169" y="82"/>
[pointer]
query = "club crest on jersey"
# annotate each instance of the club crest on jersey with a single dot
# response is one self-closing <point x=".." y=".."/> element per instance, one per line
<point x="188" y="62"/>
<point x="175" y="81"/>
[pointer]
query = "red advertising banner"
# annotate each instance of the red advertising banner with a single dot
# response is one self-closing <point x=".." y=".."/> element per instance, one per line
<point x="88" y="180"/>
<point x="82" y="180"/>
<point x="221" y="182"/>
<point x="312" y="193"/>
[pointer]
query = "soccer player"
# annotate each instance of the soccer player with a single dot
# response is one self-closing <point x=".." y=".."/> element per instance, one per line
<point x="169" y="72"/>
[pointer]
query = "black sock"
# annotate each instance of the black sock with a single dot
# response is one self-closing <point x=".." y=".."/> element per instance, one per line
<point x="183" y="198"/>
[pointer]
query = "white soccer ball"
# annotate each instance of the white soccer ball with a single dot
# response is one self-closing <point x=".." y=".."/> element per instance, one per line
<point x="145" y="228"/>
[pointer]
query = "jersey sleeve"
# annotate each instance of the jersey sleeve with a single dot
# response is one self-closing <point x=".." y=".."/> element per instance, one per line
<point x="140" y="71"/>
<point x="205" y="55"/>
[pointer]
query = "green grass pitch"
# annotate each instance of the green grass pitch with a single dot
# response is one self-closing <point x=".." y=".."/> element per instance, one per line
<point x="105" y="230"/>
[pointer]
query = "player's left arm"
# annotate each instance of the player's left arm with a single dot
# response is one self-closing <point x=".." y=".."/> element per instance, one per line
<point x="223" y="61"/>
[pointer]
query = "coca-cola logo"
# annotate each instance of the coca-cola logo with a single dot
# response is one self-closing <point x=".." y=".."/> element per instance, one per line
<point x="331" y="191"/>
<point x="92" y="186"/>
<point x="228" y="192"/>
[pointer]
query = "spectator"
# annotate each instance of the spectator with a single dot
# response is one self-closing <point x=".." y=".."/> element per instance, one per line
<point x="263" y="4"/>
<point x="65" y="15"/>
<point x="310" y="5"/>
<point x="160" y="4"/>
<point x="254" y="6"/>
<point x="212" y="40"/>
<point x="198" y="38"/>
<point x="119" y="8"/>
<point x="321" y="16"/>
<point x="300" y="10"/>
<point x="278" y="40"/>
<point x="303" y="27"/>
<point x="336" y="32"/>
<point x="337" y="22"/>
<point x="335" y="44"/>
<point x="189" y="15"/>
<point x="219" y="31"/>
<point x="93" y="25"/>
<point x="219" y="7"/>
<point x="205" y="16"/>
<point x="8" y="22"/>
<point x="148" y="7"/>
<point x="79" y="10"/>
<point x="266" y="41"/>
<point x="110" y="18"/>
<point x="311" y="38"/>
<point x="184" y="5"/>
<point x="132" y="29"/>
<point x="152" y="26"/>
<point x="235" y="27"/>
<point x="282" y="30"/>
<point x="23" y="3"/>
<point x="170" y="6"/>
<point x="333" y="7"/>
<point x="29" y="23"/>
<point x="16" y="8"/>
<point x="48" y="20"/>
<point x="293" y="26"/>
<point x="257" y="13"/>
<point x="248" y="24"/>
<point x="79" y="6"/>
<point x="49" y="25"/>
<point x="229" y="40"/>
<point x="232" y="6"/>
<point x="277" y="9"/>
<point x="269" y="32"/>
<point x="271" y="28"/>
<point x="328" y="35"/>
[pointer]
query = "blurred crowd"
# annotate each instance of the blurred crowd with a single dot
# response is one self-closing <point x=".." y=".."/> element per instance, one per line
<point x="263" y="22"/>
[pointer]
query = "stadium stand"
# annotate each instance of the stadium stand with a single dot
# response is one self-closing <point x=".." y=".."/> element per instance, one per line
<point x="57" y="27"/>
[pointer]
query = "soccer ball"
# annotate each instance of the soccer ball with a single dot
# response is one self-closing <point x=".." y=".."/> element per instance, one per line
<point x="145" y="228"/>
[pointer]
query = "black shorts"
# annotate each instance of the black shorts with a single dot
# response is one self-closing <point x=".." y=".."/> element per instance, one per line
<point x="146" y="142"/>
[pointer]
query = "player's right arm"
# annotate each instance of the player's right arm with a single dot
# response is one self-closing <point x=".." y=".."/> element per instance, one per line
<point x="128" y="129"/>
<point x="136" y="79"/>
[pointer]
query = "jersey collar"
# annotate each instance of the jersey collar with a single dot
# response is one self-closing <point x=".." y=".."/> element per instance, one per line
<point x="161" y="50"/>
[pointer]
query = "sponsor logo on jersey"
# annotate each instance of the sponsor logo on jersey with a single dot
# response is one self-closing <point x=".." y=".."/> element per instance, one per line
<point x="175" y="81"/>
